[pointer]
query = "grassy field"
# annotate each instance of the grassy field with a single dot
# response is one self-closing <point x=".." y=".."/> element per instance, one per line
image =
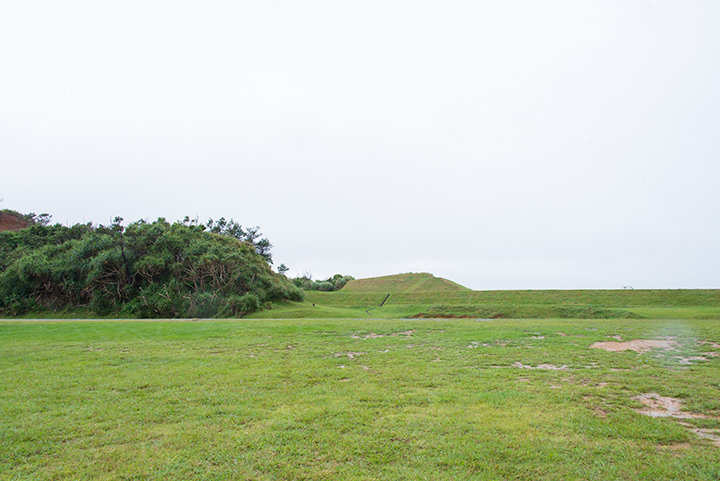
<point x="355" y="399"/>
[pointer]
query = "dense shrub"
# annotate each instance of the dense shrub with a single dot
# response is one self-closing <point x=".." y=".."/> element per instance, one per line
<point x="150" y="270"/>
<point x="334" y="283"/>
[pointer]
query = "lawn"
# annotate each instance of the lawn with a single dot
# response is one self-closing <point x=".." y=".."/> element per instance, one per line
<point x="356" y="400"/>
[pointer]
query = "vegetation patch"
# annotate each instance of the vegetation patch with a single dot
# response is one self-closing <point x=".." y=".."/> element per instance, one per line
<point x="146" y="270"/>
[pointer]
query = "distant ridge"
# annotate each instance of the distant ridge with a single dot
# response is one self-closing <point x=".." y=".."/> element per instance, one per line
<point x="403" y="284"/>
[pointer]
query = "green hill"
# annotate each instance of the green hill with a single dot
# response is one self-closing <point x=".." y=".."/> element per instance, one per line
<point x="403" y="283"/>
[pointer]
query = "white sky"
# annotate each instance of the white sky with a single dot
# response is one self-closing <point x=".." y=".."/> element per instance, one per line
<point x="503" y="145"/>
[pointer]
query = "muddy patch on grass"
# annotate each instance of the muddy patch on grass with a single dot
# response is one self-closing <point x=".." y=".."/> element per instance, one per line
<point x="674" y="447"/>
<point x="637" y="345"/>
<point x="689" y="360"/>
<point x="404" y="333"/>
<point x="372" y="335"/>
<point x="351" y="355"/>
<point x="657" y="406"/>
<point x="711" y="434"/>
<point x="551" y="367"/>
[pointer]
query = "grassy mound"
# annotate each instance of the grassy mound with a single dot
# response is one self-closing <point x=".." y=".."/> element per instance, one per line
<point x="403" y="283"/>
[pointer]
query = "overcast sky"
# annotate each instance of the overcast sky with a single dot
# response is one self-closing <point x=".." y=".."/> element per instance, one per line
<point x="521" y="144"/>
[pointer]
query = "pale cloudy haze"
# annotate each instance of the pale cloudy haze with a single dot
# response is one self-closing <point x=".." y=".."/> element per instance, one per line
<point x="503" y="145"/>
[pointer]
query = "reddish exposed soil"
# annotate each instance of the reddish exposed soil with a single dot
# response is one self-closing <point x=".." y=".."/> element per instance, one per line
<point x="11" y="222"/>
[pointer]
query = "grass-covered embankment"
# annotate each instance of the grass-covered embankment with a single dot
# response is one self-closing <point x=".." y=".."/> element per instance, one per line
<point x="422" y="295"/>
<point x="398" y="399"/>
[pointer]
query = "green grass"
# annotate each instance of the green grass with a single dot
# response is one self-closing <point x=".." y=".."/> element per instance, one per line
<point x="350" y="399"/>
<point x="601" y="304"/>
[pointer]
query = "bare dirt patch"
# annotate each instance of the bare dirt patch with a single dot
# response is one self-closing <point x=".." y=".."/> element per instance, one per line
<point x="711" y="434"/>
<point x="551" y="367"/>
<point x="351" y="355"/>
<point x="372" y="335"/>
<point x="674" y="447"/>
<point x="404" y="333"/>
<point x="600" y="412"/>
<point x="657" y="406"/>
<point x="637" y="345"/>
<point x="689" y="360"/>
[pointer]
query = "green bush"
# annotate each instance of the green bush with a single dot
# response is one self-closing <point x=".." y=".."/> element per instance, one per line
<point x="150" y="270"/>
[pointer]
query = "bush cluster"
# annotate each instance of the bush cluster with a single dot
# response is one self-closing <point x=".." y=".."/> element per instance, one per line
<point x="334" y="283"/>
<point x="147" y="270"/>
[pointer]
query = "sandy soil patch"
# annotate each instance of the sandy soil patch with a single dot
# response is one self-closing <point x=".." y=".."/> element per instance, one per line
<point x="637" y="345"/>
